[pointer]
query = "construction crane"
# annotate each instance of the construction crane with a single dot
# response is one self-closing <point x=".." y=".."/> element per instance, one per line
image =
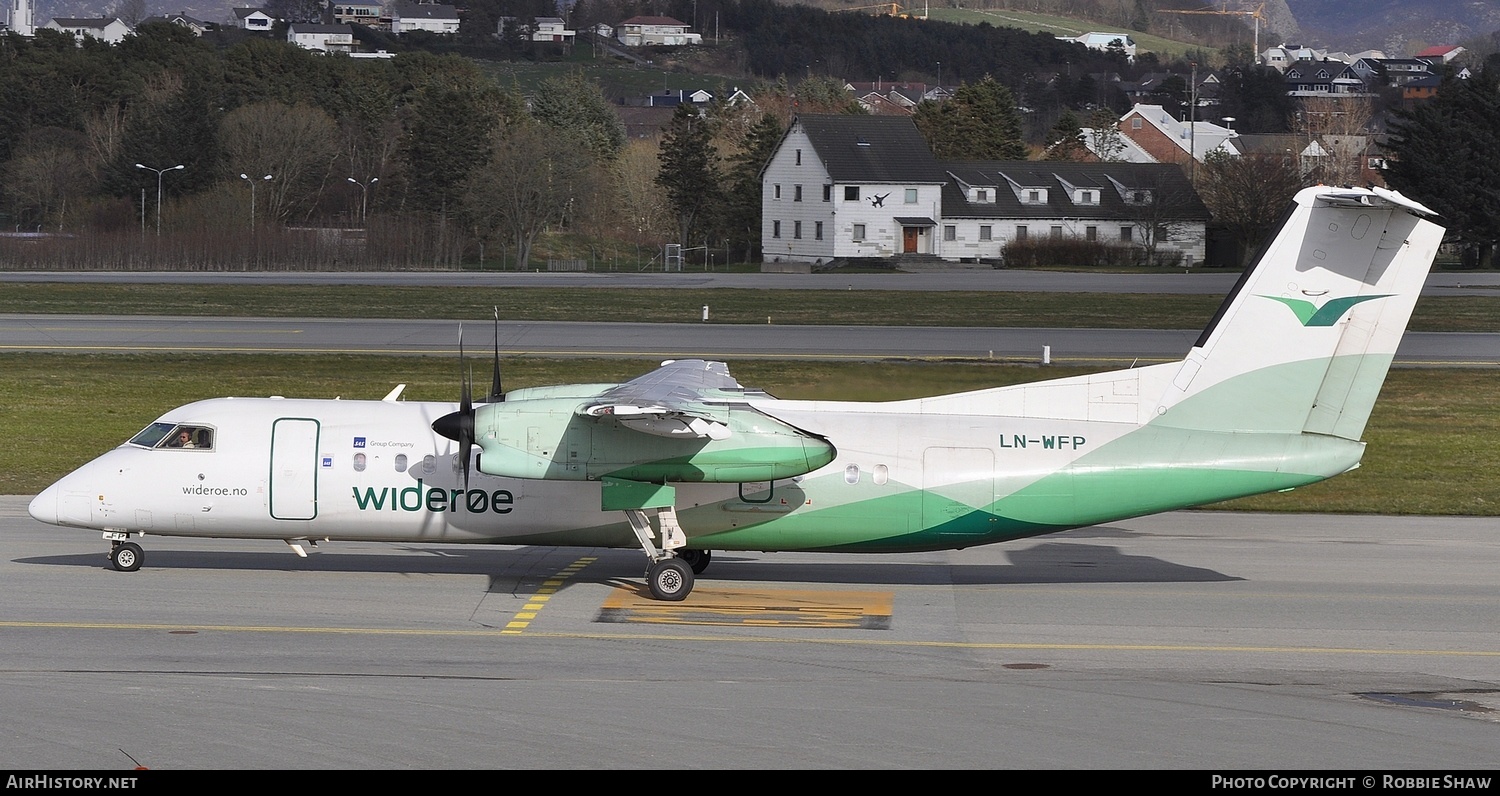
<point x="1258" y="13"/>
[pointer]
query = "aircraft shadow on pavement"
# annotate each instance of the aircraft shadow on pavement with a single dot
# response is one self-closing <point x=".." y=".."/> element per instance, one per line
<point x="1050" y="562"/>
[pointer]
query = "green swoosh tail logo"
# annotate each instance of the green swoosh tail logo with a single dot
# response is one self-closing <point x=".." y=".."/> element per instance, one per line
<point x="1327" y="315"/>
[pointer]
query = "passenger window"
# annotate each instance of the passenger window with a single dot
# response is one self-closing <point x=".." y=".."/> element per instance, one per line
<point x="882" y="474"/>
<point x="851" y="474"/>
<point x="400" y="462"/>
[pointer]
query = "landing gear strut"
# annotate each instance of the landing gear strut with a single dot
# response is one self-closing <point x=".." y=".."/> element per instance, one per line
<point x="668" y="577"/>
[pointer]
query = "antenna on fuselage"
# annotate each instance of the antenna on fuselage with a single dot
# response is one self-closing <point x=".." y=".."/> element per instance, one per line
<point x="497" y="394"/>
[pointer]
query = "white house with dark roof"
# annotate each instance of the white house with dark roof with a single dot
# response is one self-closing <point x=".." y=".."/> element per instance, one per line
<point x="432" y="18"/>
<point x="1108" y="42"/>
<point x="253" y="19"/>
<point x="850" y="186"/>
<point x="105" y="29"/>
<point x="322" y="38"/>
<point x="847" y="186"/>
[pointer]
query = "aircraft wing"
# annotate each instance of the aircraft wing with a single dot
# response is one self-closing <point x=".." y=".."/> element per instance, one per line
<point x="672" y="401"/>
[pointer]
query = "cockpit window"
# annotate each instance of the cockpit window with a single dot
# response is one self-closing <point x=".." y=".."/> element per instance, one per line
<point x="173" y="435"/>
<point x="152" y="434"/>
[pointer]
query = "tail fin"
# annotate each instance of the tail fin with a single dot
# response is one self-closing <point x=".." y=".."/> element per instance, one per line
<point x="1306" y="339"/>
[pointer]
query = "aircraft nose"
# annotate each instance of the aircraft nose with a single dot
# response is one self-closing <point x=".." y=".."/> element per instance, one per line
<point x="44" y="506"/>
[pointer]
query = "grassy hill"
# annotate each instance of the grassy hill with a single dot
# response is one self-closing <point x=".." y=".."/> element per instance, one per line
<point x="1060" y="27"/>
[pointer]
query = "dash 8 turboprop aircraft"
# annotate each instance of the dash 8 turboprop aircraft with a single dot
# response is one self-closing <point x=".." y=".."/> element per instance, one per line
<point x="684" y="460"/>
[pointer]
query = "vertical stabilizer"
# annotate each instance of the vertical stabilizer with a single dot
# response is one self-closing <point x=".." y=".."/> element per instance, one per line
<point x="1305" y="341"/>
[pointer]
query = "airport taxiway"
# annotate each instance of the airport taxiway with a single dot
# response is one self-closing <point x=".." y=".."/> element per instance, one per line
<point x="1198" y="640"/>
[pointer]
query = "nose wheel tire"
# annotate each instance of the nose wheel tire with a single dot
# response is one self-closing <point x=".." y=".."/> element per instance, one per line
<point x="670" y="579"/>
<point x="127" y="556"/>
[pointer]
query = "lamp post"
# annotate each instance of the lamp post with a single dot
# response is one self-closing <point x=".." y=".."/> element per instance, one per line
<point x="159" y="173"/>
<point x="246" y="178"/>
<point x="364" y="195"/>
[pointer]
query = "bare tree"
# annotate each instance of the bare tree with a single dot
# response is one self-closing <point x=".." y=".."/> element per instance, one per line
<point x="1336" y="129"/>
<point x="1248" y="194"/>
<point x="296" y="145"/>
<point x="131" y="12"/>
<point x="535" y="178"/>
<point x="47" y="176"/>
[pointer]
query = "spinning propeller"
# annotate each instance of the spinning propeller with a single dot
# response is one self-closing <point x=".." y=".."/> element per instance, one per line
<point x="459" y="426"/>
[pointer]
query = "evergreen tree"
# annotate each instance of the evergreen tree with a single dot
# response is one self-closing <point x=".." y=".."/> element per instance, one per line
<point x="1065" y="140"/>
<point x="690" y="172"/>
<point x="743" y="204"/>
<point x="1446" y="154"/>
<point x="574" y="104"/>
<point x="980" y="122"/>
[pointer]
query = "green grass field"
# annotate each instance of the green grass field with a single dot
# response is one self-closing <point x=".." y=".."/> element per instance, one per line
<point x="680" y="305"/>
<point x="1434" y="440"/>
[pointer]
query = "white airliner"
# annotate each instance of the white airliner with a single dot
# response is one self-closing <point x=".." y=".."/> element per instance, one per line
<point x="684" y="460"/>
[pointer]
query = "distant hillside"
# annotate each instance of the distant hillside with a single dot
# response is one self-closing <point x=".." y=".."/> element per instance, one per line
<point x="1399" y="27"/>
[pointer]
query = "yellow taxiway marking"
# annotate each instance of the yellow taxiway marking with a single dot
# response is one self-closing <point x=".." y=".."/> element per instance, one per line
<point x="859" y="640"/>
<point x="538" y="600"/>
<point x="868" y="610"/>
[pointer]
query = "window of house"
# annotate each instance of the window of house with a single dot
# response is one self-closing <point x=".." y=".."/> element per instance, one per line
<point x="796" y="193"/>
<point x="1021" y="233"/>
<point x="776" y="191"/>
<point x="950" y="232"/>
<point x="851" y="193"/>
<point x="985" y="232"/>
<point x="1056" y="232"/>
<point x="818" y="230"/>
<point x="859" y="231"/>
<point x="1086" y="197"/>
<point x="1135" y="124"/>
<point x="1127" y="234"/>
<point x="982" y="195"/>
<point x="775" y="229"/>
<point x="1091" y="233"/>
<point x="797" y="230"/>
<point x="799" y="157"/>
<point x="911" y="196"/>
<point x="1033" y="196"/>
<point x="828" y="193"/>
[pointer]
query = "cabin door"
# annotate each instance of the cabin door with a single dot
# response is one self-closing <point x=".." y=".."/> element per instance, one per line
<point x="294" y="469"/>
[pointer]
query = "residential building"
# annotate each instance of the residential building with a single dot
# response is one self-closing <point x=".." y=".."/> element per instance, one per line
<point x="1323" y="78"/>
<point x="197" y="26"/>
<point x="1109" y="42"/>
<point x="850" y="186"/>
<point x="426" y="17"/>
<point x="553" y="29"/>
<point x="323" y="38"/>
<point x="253" y="19"/>
<point x="1169" y="140"/>
<point x="105" y="29"/>
<point x="646" y="31"/>
<point x="841" y="186"/>
<point x="371" y="15"/>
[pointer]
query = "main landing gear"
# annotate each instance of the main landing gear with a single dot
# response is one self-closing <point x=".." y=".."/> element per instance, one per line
<point x="669" y="576"/>
<point x="124" y="556"/>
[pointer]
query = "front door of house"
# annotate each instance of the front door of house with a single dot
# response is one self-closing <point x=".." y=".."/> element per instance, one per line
<point x="909" y="240"/>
